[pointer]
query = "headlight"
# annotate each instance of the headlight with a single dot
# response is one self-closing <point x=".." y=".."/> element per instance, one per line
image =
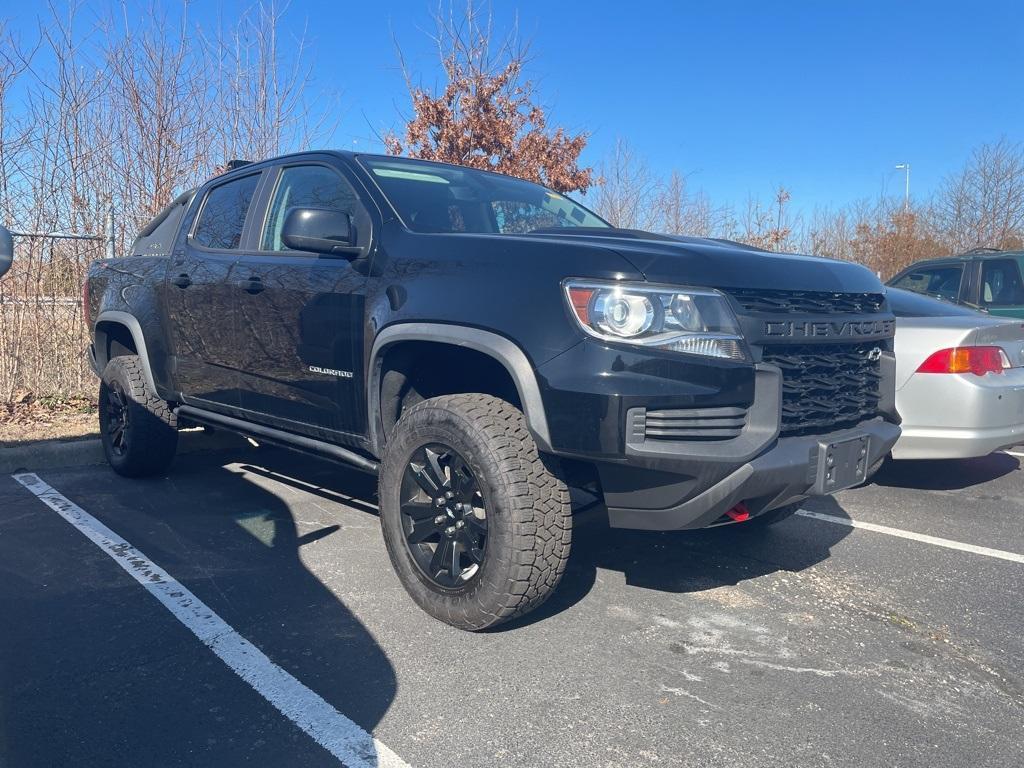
<point x="695" y="321"/>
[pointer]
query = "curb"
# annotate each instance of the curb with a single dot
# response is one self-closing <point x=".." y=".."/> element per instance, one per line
<point x="83" y="453"/>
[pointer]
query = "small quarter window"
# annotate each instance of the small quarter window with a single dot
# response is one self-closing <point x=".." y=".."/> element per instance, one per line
<point x="223" y="215"/>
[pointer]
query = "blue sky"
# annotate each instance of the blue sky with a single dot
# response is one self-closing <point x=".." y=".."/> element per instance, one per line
<point x="822" y="97"/>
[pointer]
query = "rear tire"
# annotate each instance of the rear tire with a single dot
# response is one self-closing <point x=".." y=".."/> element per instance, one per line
<point x="138" y="430"/>
<point x="477" y="523"/>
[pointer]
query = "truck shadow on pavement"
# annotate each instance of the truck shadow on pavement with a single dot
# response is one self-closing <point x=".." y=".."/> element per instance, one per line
<point x="680" y="562"/>
<point x="689" y="561"/>
<point x="237" y="544"/>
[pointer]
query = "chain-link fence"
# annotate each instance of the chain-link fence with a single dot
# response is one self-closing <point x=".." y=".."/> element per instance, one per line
<point x="43" y="340"/>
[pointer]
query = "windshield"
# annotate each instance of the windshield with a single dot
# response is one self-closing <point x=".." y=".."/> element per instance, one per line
<point x="434" y="197"/>
<point x="910" y="304"/>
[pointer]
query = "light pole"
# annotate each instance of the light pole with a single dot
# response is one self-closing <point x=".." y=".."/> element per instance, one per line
<point x="905" y="167"/>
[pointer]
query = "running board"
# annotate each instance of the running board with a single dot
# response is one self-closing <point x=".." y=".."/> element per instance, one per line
<point x="279" y="437"/>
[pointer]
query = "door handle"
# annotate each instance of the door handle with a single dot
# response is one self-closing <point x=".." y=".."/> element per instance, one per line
<point x="252" y="284"/>
<point x="182" y="280"/>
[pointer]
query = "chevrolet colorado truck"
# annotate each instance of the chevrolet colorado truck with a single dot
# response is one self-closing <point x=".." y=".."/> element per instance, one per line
<point x="483" y="344"/>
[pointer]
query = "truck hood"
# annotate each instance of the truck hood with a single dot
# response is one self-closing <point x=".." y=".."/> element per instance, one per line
<point x="722" y="264"/>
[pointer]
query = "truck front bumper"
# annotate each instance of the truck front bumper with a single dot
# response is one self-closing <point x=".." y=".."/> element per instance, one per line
<point x="792" y="469"/>
<point x="678" y="443"/>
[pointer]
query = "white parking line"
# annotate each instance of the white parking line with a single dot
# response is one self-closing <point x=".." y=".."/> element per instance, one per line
<point x="329" y="728"/>
<point x="1013" y="557"/>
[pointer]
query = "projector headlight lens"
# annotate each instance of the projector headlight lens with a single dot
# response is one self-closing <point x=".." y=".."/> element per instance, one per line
<point x="696" y="321"/>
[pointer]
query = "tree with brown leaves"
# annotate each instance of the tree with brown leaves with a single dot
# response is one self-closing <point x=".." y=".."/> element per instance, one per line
<point x="889" y="241"/>
<point x="487" y="115"/>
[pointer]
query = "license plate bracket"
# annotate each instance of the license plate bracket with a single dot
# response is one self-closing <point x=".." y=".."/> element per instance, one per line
<point x="842" y="464"/>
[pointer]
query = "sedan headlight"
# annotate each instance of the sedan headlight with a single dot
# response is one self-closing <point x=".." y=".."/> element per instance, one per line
<point x="695" y="321"/>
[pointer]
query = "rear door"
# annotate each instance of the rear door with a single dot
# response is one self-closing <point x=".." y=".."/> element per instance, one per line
<point x="199" y="296"/>
<point x="299" y="315"/>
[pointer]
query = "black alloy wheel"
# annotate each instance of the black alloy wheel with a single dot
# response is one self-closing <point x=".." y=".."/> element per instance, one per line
<point x="477" y="523"/>
<point x="118" y="417"/>
<point x="444" y="516"/>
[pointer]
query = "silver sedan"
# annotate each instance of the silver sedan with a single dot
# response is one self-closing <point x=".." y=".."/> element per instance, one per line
<point x="959" y="379"/>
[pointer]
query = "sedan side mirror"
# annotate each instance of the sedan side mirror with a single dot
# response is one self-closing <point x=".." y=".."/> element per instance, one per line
<point x="320" y="230"/>
<point x="6" y="250"/>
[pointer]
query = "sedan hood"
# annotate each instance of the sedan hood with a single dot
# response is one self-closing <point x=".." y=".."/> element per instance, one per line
<point x="711" y="263"/>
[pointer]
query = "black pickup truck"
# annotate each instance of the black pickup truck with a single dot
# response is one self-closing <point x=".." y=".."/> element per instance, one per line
<point x="483" y="344"/>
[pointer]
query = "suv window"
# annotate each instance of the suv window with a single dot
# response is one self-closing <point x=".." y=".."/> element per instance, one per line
<point x="223" y="215"/>
<point x="943" y="281"/>
<point x="1001" y="283"/>
<point x="306" y="186"/>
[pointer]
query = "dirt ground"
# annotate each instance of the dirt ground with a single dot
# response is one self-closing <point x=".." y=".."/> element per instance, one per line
<point x="26" y="419"/>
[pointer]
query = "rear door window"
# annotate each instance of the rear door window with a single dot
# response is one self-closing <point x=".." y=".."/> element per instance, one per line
<point x="1001" y="283"/>
<point x="941" y="281"/>
<point x="222" y="218"/>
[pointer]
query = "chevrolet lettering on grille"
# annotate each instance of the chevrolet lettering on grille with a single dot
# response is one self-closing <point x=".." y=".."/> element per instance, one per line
<point x="824" y="329"/>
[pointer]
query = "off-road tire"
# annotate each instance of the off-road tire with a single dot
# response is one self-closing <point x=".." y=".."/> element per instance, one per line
<point x="773" y="516"/>
<point x="529" y="515"/>
<point x="150" y="429"/>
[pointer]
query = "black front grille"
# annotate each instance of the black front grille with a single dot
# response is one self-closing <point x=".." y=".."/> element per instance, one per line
<point x="826" y="386"/>
<point x="807" y="302"/>
<point x="687" y="423"/>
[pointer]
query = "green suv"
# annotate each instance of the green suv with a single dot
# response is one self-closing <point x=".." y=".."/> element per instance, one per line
<point x="985" y="279"/>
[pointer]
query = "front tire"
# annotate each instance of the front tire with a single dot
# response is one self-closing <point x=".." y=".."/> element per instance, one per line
<point x="477" y="523"/>
<point x="138" y="430"/>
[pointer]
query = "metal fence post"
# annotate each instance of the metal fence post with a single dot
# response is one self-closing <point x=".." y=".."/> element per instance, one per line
<point x="109" y="232"/>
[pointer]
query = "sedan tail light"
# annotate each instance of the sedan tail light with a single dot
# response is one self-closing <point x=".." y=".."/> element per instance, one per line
<point x="976" y="360"/>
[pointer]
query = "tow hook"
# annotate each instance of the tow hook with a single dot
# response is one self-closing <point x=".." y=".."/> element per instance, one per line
<point x="739" y="513"/>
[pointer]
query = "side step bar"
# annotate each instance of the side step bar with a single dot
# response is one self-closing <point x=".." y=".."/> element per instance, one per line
<point x="279" y="437"/>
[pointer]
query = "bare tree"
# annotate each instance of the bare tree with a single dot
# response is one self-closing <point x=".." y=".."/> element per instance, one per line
<point x="768" y="227"/>
<point x="677" y="211"/>
<point x="983" y="203"/>
<point x="267" y="96"/>
<point x="487" y="115"/>
<point x="626" y="191"/>
<point x="125" y="116"/>
<point x="829" y="233"/>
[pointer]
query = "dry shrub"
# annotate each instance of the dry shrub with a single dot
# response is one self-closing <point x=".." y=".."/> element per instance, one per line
<point x="43" y="340"/>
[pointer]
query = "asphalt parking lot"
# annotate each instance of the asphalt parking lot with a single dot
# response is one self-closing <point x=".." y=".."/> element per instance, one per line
<point x="814" y="643"/>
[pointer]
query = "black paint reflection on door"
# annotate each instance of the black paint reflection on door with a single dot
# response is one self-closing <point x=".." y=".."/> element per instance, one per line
<point x="302" y="340"/>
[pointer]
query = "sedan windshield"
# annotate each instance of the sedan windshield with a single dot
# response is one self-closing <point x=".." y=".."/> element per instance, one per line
<point x="434" y="197"/>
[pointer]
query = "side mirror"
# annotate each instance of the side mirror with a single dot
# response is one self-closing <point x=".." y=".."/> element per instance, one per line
<point x="6" y="250"/>
<point x="320" y="230"/>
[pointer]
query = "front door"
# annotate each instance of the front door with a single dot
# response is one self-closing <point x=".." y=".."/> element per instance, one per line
<point x="299" y="316"/>
<point x="199" y="297"/>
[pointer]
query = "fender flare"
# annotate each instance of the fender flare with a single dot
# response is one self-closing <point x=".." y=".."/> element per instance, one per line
<point x="130" y="322"/>
<point x="506" y="352"/>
